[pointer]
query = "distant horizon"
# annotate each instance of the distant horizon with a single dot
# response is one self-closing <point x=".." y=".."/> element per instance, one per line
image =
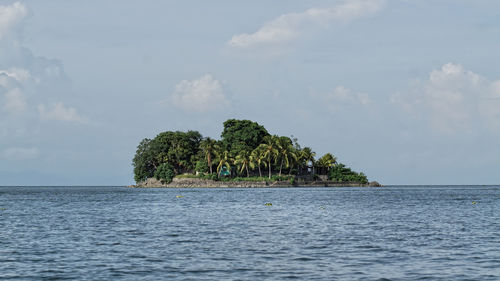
<point x="404" y="91"/>
<point x="184" y="188"/>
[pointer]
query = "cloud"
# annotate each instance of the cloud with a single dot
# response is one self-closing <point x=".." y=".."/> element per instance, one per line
<point x="21" y="153"/>
<point x="201" y="95"/>
<point x="11" y="17"/>
<point x="15" y="102"/>
<point x="453" y="99"/>
<point x="288" y="27"/>
<point x="27" y="82"/>
<point x="60" y="112"/>
<point x="342" y="98"/>
<point x="18" y="74"/>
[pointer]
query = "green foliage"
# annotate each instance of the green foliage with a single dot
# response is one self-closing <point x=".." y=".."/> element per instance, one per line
<point x="252" y="179"/>
<point x="325" y="163"/>
<point x="282" y="178"/>
<point x="200" y="176"/>
<point x="210" y="177"/>
<point x="165" y="173"/>
<point x="188" y="176"/>
<point x="224" y="161"/>
<point x="144" y="161"/>
<point x="269" y="150"/>
<point x="178" y="148"/>
<point x="242" y="160"/>
<point x="257" y="159"/>
<point x="245" y="148"/>
<point x="208" y="148"/>
<point x="341" y="173"/>
<point x="287" y="154"/>
<point x="242" y="135"/>
<point x="306" y="156"/>
<point x="201" y="166"/>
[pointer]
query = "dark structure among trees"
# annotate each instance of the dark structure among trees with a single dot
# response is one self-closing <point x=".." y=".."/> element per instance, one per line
<point x="245" y="149"/>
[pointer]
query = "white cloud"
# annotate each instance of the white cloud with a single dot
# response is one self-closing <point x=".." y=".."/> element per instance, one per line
<point x="290" y="26"/>
<point x="11" y="17"/>
<point x="18" y="74"/>
<point x="28" y="83"/>
<point x="60" y="112"/>
<point x="341" y="98"/>
<point x="15" y="102"/>
<point x="453" y="99"/>
<point x="21" y="153"/>
<point x="201" y="95"/>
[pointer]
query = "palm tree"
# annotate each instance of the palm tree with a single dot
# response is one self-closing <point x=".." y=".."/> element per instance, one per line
<point x="243" y="160"/>
<point x="307" y="156"/>
<point x="294" y="160"/>
<point x="269" y="150"/>
<point x="209" y="147"/>
<point x="285" y="151"/>
<point x="257" y="157"/>
<point x="223" y="159"/>
<point x="327" y="161"/>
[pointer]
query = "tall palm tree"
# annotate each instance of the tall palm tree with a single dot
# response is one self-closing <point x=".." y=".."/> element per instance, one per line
<point x="285" y="152"/>
<point x="209" y="146"/>
<point x="307" y="156"/>
<point x="223" y="159"/>
<point x="256" y="158"/>
<point x="294" y="161"/>
<point x="243" y="161"/>
<point x="269" y="150"/>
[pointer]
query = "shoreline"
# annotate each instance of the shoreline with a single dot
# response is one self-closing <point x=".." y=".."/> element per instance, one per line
<point x="205" y="183"/>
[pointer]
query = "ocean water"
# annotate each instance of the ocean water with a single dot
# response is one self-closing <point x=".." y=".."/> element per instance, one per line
<point x="118" y="233"/>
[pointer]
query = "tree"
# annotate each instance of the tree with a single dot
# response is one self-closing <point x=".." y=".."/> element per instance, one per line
<point x="144" y="161"/>
<point x="242" y="135"/>
<point x="285" y="152"/>
<point x="208" y="146"/>
<point x="256" y="158"/>
<point x="179" y="149"/>
<point x="243" y="160"/>
<point x="201" y="167"/>
<point x="341" y="173"/>
<point x="326" y="162"/>
<point x="269" y="150"/>
<point x="224" y="160"/>
<point x="296" y="150"/>
<point x="165" y="173"/>
<point x="307" y="156"/>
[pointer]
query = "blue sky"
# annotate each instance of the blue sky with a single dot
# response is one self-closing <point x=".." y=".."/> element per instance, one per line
<point x="406" y="91"/>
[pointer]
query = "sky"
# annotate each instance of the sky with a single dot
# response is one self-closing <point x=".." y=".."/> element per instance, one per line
<point x="407" y="91"/>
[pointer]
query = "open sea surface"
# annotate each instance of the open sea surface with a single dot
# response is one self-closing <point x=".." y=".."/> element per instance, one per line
<point x="118" y="233"/>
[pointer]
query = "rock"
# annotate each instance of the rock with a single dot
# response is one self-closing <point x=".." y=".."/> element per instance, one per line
<point x="197" y="182"/>
<point x="374" y="184"/>
<point x="194" y="182"/>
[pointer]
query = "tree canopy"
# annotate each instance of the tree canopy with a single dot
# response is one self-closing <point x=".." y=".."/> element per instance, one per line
<point x="341" y="173"/>
<point x="242" y="135"/>
<point x="179" y="149"/>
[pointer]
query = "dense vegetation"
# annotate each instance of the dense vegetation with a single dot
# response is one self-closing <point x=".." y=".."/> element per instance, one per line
<point x="246" y="150"/>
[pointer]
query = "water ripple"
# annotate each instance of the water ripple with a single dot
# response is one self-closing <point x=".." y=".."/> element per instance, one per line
<point x="102" y="233"/>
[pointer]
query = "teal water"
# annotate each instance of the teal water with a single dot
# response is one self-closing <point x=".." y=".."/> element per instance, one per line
<point x="117" y="233"/>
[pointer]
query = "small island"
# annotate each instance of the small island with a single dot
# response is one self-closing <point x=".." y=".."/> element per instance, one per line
<point x="246" y="156"/>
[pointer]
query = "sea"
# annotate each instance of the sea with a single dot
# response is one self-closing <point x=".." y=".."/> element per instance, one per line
<point x="347" y="233"/>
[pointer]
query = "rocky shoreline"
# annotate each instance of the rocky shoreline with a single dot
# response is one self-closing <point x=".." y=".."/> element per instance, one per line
<point x="204" y="183"/>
